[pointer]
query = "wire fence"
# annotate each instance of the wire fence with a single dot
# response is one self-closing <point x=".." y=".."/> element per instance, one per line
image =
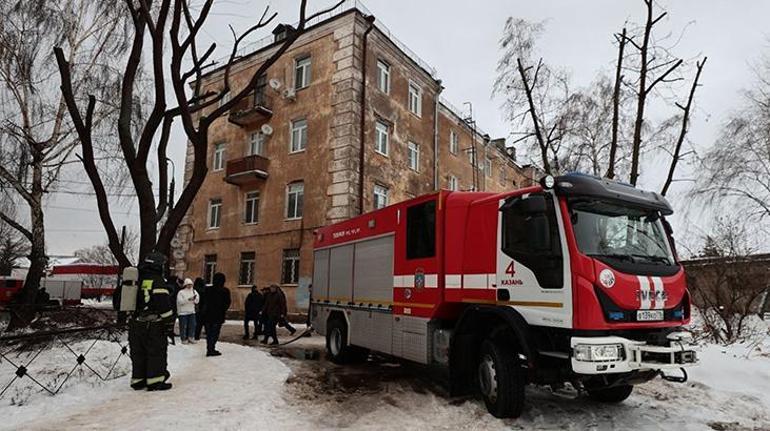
<point x="45" y="361"/>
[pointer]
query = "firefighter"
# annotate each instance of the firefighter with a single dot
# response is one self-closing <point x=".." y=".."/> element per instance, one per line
<point x="147" y="328"/>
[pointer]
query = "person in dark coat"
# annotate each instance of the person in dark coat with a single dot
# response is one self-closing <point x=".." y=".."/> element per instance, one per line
<point x="282" y="322"/>
<point x="272" y="312"/>
<point x="200" y="286"/>
<point x="252" y="310"/>
<point x="217" y="303"/>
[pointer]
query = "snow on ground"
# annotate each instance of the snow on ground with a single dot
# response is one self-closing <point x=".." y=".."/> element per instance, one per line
<point x="248" y="388"/>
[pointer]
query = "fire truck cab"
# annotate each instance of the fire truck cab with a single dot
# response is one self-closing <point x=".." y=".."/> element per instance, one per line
<point x="574" y="280"/>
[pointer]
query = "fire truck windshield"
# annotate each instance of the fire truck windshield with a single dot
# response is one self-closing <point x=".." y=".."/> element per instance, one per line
<point x="619" y="233"/>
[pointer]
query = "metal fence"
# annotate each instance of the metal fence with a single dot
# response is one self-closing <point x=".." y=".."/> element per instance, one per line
<point x="44" y="361"/>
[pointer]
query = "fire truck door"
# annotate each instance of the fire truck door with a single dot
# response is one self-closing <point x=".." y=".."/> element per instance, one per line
<point x="531" y="260"/>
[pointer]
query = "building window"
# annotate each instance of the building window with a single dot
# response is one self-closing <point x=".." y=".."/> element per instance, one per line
<point x="502" y="175"/>
<point x="298" y="135"/>
<point x="290" y="273"/>
<point x="415" y="98"/>
<point x="219" y="157"/>
<point x="452" y="183"/>
<point x="251" y="208"/>
<point x="295" y="193"/>
<point x="209" y="268"/>
<point x="454" y="142"/>
<point x="381" y="196"/>
<point x="215" y="213"/>
<point x="472" y="156"/>
<point x="225" y="99"/>
<point x="487" y="167"/>
<point x="413" y="156"/>
<point x="256" y="144"/>
<point x="383" y="76"/>
<point x="246" y="273"/>
<point x="381" y="138"/>
<point x="301" y="72"/>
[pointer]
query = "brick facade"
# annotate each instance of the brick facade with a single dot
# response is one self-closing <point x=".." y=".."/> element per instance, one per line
<point x="328" y="167"/>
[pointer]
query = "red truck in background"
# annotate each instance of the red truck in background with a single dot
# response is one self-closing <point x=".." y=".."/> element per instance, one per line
<point x="574" y="280"/>
<point x="68" y="284"/>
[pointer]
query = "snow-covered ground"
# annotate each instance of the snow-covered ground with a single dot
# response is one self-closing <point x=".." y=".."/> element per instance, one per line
<point x="248" y="388"/>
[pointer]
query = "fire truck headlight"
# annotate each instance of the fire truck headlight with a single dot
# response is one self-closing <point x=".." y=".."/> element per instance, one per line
<point x="598" y="352"/>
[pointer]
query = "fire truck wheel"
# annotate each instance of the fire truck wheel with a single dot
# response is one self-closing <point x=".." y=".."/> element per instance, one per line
<point x="337" y="347"/>
<point x="614" y="394"/>
<point x="501" y="379"/>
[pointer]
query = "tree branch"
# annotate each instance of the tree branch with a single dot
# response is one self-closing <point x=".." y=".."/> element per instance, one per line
<point x="616" y="106"/>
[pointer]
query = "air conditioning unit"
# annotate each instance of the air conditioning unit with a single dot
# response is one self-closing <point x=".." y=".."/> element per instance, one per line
<point x="290" y="94"/>
<point x="266" y="129"/>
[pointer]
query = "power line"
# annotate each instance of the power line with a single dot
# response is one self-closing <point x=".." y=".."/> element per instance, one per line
<point x="88" y="210"/>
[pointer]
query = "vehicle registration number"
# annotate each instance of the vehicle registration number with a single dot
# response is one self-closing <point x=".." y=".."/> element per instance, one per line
<point x="649" y="315"/>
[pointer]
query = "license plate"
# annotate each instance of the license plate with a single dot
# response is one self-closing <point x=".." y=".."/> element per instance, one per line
<point x="649" y="315"/>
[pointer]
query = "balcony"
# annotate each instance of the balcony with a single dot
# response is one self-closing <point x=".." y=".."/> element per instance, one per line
<point x="246" y="171"/>
<point x="252" y="110"/>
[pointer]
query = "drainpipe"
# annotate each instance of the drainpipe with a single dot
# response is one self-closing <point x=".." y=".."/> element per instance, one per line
<point x="361" y="159"/>
<point x="436" y="179"/>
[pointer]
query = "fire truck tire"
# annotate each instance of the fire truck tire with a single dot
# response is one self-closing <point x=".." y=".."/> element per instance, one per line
<point x="501" y="379"/>
<point x="615" y="394"/>
<point x="337" y="347"/>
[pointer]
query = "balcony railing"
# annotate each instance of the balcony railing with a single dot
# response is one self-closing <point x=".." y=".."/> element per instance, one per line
<point x="247" y="170"/>
<point x="251" y="110"/>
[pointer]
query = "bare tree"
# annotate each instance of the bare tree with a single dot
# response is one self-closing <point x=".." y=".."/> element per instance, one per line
<point x="102" y="255"/>
<point x="735" y="171"/>
<point x="36" y="137"/>
<point x="170" y="29"/>
<point x="725" y="283"/>
<point x="13" y="246"/>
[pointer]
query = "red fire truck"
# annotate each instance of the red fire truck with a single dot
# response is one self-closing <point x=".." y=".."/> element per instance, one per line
<point x="573" y="280"/>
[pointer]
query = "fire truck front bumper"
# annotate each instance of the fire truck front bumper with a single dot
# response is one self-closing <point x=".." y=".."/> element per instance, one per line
<point x="606" y="355"/>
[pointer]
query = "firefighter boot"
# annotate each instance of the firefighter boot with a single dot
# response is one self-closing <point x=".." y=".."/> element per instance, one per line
<point x="139" y="385"/>
<point x="161" y="386"/>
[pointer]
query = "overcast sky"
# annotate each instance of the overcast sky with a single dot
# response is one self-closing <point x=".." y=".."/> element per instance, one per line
<point x="459" y="38"/>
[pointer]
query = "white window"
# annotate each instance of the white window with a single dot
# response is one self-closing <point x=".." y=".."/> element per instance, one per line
<point x="225" y="98"/>
<point x="295" y="193"/>
<point x="298" y="135"/>
<point x="246" y="273"/>
<point x="215" y="213"/>
<point x="380" y="196"/>
<point x="251" y="208"/>
<point x="256" y="144"/>
<point x="383" y="76"/>
<point x="301" y="72"/>
<point x="219" y="157"/>
<point x="209" y="268"/>
<point x="454" y="142"/>
<point x="471" y="156"/>
<point x="487" y="167"/>
<point x="415" y="98"/>
<point x="452" y="183"/>
<point x="381" y="138"/>
<point x="413" y="155"/>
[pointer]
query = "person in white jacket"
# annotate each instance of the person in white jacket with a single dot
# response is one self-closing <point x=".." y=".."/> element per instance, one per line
<point x="186" y="300"/>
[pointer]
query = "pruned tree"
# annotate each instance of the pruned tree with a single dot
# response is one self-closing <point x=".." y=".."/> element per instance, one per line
<point x="37" y="139"/>
<point x="727" y="285"/>
<point x="735" y="170"/>
<point x="167" y="33"/>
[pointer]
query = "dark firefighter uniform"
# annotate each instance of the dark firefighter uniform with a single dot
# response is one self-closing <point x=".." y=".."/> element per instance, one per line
<point x="147" y="328"/>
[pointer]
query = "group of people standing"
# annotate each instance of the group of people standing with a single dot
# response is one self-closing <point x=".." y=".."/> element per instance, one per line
<point x="199" y="307"/>
<point x="266" y="309"/>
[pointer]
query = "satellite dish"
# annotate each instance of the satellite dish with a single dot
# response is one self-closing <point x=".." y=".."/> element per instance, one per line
<point x="175" y="242"/>
<point x="275" y="84"/>
<point x="178" y="254"/>
<point x="266" y="129"/>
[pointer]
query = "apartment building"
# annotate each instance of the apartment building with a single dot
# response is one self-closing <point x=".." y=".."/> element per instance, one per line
<point x="348" y="120"/>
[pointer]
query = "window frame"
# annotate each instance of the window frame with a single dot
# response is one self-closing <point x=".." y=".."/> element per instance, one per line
<point x="417" y="96"/>
<point x="218" y="157"/>
<point x="378" y="133"/>
<point x="302" y="132"/>
<point x="413" y="155"/>
<point x="380" y="193"/>
<point x="453" y="185"/>
<point x="214" y="203"/>
<point x="290" y="255"/>
<point x="383" y="76"/>
<point x="252" y="196"/>
<point x="454" y="143"/>
<point x="249" y="258"/>
<point x="259" y="141"/>
<point x="208" y="276"/>
<point x="298" y="200"/>
<point x="306" y="68"/>
<point x="487" y="167"/>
